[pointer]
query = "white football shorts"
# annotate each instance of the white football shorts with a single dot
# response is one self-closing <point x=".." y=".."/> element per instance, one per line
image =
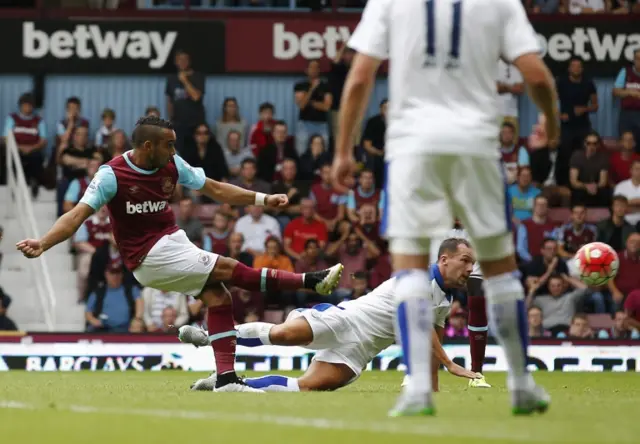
<point x="175" y="264"/>
<point x="426" y="192"/>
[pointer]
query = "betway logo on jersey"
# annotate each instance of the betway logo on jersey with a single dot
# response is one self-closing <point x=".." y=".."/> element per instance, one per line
<point x="311" y="45"/>
<point x="91" y="41"/>
<point x="590" y="44"/>
<point x="146" y="207"/>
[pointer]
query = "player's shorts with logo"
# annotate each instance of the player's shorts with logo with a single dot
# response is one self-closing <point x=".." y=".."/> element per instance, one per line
<point x="176" y="264"/>
<point x="425" y="192"/>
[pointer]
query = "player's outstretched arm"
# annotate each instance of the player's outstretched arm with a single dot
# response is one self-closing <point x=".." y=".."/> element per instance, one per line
<point x="62" y="230"/>
<point x="233" y="195"/>
<point x="442" y="356"/>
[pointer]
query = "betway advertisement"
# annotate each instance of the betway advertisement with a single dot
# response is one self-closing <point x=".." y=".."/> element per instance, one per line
<point x="285" y="46"/>
<point x="110" y="47"/>
<point x="109" y="357"/>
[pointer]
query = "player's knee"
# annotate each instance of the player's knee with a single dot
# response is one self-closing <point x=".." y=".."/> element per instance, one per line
<point x="284" y="334"/>
<point x="214" y="295"/>
<point x="496" y="254"/>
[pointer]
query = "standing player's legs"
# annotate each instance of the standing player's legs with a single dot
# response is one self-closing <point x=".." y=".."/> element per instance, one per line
<point x="478" y="328"/>
<point x="479" y="198"/>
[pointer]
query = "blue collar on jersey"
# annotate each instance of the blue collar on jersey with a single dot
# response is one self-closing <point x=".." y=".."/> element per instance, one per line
<point x="435" y="274"/>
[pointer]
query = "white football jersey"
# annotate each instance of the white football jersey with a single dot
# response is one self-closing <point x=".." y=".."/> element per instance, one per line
<point x="443" y="68"/>
<point x="435" y="246"/>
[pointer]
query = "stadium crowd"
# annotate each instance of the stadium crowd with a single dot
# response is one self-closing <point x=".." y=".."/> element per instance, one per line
<point x="584" y="189"/>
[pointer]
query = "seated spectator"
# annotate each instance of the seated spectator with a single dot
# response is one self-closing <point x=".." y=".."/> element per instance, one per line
<point x="589" y="174"/>
<point x="6" y="324"/>
<point x="587" y="7"/>
<point x="152" y="111"/>
<point x="513" y="156"/>
<point x="230" y="121"/>
<point x="94" y="233"/>
<point x="107" y="255"/>
<point x="272" y="156"/>
<point x="169" y="316"/>
<point x="78" y="186"/>
<point x="295" y="190"/>
<point x="217" y="239"/>
<point x="548" y="263"/>
<point x="364" y="193"/>
<point x="313" y="159"/>
<point x="310" y="260"/>
<point x="208" y="154"/>
<point x="621" y="328"/>
<point x="579" y="328"/>
<point x="559" y="305"/>
<point x="236" y="250"/>
<point x="543" y="6"/>
<point x="188" y="222"/>
<point x="628" y="277"/>
<point x="235" y="153"/>
<point x="381" y="270"/>
<point x="67" y="126"/>
<point x="108" y="127"/>
<point x="256" y="227"/>
<point x="620" y="161"/>
<point x="74" y="159"/>
<point x="261" y="135"/>
<point x="155" y="302"/>
<point x="248" y="179"/>
<point x="534" y="316"/>
<point x="372" y="144"/>
<point x="369" y="225"/>
<point x="330" y="205"/>
<point x="111" y="308"/>
<point x="630" y="189"/>
<point x="30" y="132"/>
<point x="353" y="250"/>
<point x="303" y="228"/>
<point x="247" y="306"/>
<point x="573" y="235"/>
<point x="531" y="232"/>
<point x="457" y="325"/>
<point x="522" y="194"/>
<point x="273" y="257"/>
<point x="117" y="145"/>
<point x="359" y="284"/>
<point x="615" y="230"/>
<point x="632" y="309"/>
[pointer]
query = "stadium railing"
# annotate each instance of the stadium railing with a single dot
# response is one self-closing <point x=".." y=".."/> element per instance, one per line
<point x="21" y="207"/>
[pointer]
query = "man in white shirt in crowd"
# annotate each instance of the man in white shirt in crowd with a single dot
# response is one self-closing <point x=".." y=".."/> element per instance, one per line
<point x="256" y="227"/>
<point x="630" y="189"/>
<point x="510" y="87"/>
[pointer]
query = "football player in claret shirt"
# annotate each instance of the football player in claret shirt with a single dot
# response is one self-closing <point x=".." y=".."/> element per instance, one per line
<point x="136" y="188"/>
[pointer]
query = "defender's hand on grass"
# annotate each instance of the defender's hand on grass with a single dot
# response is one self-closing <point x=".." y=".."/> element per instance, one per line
<point x="462" y="372"/>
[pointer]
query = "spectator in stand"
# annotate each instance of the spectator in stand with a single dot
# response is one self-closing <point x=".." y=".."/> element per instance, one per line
<point x="578" y="98"/>
<point x="587" y="6"/>
<point x="188" y="222"/>
<point x="152" y="111"/>
<point x="116" y="146"/>
<point x="303" y="228"/>
<point x="271" y="158"/>
<point x="353" y="250"/>
<point x="534" y="316"/>
<point x="621" y="328"/>
<point x="108" y="127"/>
<point x="155" y="303"/>
<point x="589" y="174"/>
<point x="260" y="135"/>
<point x="313" y="98"/>
<point x="368" y="224"/>
<point x="615" y="230"/>
<point x="6" y="324"/>
<point x="628" y="277"/>
<point x="364" y="193"/>
<point x="513" y="157"/>
<point x="620" y="161"/>
<point x="184" y="91"/>
<point x="248" y="179"/>
<point x="217" y="239"/>
<point x="559" y="305"/>
<point x="543" y="6"/>
<point x="111" y="307"/>
<point x="208" y="154"/>
<point x="373" y="143"/>
<point x="523" y="194"/>
<point x="78" y="186"/>
<point x="627" y="88"/>
<point x="256" y="227"/>
<point x="531" y="232"/>
<point x="510" y="86"/>
<point x="30" y="133"/>
<point x="359" y="285"/>
<point x="230" y="121"/>
<point x="330" y="205"/>
<point x="295" y="190"/>
<point x="313" y="159"/>
<point x="548" y="263"/>
<point x="273" y="257"/>
<point x="457" y="324"/>
<point x="340" y="66"/>
<point x="169" y="320"/>
<point x="579" y="328"/>
<point x="235" y="153"/>
<point x="94" y="233"/>
<point x="67" y="126"/>
<point x="236" y="250"/>
<point x="630" y="189"/>
<point x="632" y="309"/>
<point x="573" y="235"/>
<point x="74" y="159"/>
<point x="247" y="306"/>
<point x="310" y="261"/>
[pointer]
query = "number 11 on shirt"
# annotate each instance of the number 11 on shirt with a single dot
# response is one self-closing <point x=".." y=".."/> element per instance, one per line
<point x="453" y="58"/>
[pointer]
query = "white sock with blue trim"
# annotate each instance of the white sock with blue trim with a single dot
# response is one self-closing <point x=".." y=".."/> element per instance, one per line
<point x="414" y="321"/>
<point x="254" y="334"/>
<point x="274" y="383"/>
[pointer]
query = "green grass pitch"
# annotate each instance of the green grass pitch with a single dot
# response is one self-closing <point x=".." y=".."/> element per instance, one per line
<point x="131" y="407"/>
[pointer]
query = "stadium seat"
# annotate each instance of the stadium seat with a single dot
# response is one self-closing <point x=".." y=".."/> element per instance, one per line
<point x="563" y="215"/>
<point x="274" y="316"/>
<point x="595" y="215"/>
<point x="600" y="321"/>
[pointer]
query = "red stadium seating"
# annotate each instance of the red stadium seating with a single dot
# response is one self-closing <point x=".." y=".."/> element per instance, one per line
<point x="600" y="321"/>
<point x="563" y="215"/>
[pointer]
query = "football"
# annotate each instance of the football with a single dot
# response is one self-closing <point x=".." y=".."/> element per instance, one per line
<point x="597" y="263"/>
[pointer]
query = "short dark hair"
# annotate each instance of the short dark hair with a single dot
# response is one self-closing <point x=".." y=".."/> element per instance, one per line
<point x="580" y="316"/>
<point x="151" y="109"/>
<point x="149" y="128"/>
<point x="593" y="133"/>
<point x="509" y="125"/>
<point x="180" y="51"/>
<point x="578" y="204"/>
<point x="108" y="112"/>
<point x="250" y="160"/>
<point x="265" y="106"/>
<point x="548" y="239"/>
<point x="27" y="98"/>
<point x="555" y="276"/>
<point x="311" y="242"/>
<point x="534" y="307"/>
<point x="451" y="245"/>
<point x="280" y="122"/>
<point x="360" y="275"/>
<point x="619" y="198"/>
<point x="383" y="102"/>
<point x="74" y="100"/>
<point x="575" y="59"/>
<point x="365" y="170"/>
